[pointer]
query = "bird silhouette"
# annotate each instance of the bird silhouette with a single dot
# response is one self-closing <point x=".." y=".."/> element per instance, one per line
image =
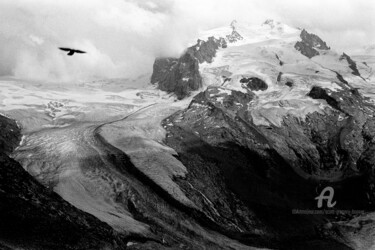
<point x="72" y="51"/>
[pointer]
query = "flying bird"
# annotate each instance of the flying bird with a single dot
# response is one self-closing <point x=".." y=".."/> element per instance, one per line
<point x="72" y="51"/>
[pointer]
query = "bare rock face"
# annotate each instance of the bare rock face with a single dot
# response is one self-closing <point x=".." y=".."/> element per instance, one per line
<point x="234" y="37"/>
<point x="254" y="83"/>
<point x="352" y="64"/>
<point x="181" y="75"/>
<point x="34" y="217"/>
<point x="10" y="135"/>
<point x="163" y="67"/>
<point x="205" y="51"/>
<point x="309" y="44"/>
<point x="306" y="50"/>
<point x="313" y="40"/>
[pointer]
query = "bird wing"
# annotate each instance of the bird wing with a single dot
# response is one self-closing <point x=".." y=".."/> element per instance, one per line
<point x="65" y="49"/>
<point x="80" y="51"/>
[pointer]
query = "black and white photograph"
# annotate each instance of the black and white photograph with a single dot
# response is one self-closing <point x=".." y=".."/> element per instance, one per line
<point x="187" y="124"/>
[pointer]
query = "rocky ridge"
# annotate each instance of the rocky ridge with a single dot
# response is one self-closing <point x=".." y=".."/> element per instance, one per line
<point x="352" y="64"/>
<point x="309" y="44"/>
<point x="181" y="75"/>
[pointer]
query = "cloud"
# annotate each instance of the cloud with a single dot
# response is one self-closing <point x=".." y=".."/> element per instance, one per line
<point x="121" y="38"/>
<point x="124" y="36"/>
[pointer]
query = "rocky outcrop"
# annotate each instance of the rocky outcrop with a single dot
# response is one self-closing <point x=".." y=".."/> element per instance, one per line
<point x="289" y="84"/>
<point x="254" y="83"/>
<point x="10" y="135"/>
<point x="205" y="51"/>
<point x="340" y="78"/>
<point x="181" y="75"/>
<point x="313" y="40"/>
<point x="352" y="64"/>
<point x="309" y="44"/>
<point x="281" y="63"/>
<point x="234" y="37"/>
<point x="306" y="50"/>
<point x="34" y="217"/>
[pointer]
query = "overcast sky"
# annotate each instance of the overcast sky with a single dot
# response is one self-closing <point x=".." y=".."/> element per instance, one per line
<point x="124" y="36"/>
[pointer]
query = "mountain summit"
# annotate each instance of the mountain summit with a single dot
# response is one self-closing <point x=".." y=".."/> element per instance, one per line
<point x="284" y="48"/>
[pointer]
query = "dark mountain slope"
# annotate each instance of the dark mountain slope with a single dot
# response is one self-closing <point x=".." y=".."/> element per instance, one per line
<point x="34" y="217"/>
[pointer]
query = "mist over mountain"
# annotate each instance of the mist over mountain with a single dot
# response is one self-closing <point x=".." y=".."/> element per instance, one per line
<point x="123" y="37"/>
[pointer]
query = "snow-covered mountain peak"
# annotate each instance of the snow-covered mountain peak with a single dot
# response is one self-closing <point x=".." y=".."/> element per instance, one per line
<point x="251" y="33"/>
<point x="280" y="64"/>
<point x="289" y="61"/>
